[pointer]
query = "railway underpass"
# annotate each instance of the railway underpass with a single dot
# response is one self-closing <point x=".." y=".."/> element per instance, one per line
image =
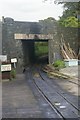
<point x="30" y="51"/>
<point x="29" y="47"/>
<point x="34" y="94"/>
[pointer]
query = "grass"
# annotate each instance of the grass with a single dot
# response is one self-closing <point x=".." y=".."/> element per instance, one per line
<point x="41" y="49"/>
<point x="58" y="64"/>
<point x="12" y="74"/>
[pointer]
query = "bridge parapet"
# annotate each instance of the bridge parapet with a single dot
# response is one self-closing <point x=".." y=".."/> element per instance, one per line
<point x="33" y="36"/>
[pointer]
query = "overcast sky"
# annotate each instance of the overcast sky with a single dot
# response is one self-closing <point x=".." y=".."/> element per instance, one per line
<point x="29" y="10"/>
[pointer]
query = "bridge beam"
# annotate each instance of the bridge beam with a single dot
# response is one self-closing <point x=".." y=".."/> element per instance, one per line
<point x="33" y="36"/>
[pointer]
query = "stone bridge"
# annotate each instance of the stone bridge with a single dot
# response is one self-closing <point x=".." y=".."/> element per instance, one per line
<point x="28" y="41"/>
<point x="18" y="38"/>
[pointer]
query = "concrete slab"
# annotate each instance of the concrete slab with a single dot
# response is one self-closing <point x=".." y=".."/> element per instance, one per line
<point x="18" y="100"/>
<point x="71" y="71"/>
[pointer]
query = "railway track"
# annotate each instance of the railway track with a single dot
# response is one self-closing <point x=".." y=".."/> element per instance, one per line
<point x="52" y="112"/>
<point x="49" y="102"/>
<point x="71" y="79"/>
<point x="60" y="92"/>
<point x="77" y="83"/>
<point x="62" y="106"/>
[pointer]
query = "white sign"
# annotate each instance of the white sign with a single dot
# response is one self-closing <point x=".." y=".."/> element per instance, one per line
<point x="3" y="58"/>
<point x="13" y="60"/>
<point x="6" y="67"/>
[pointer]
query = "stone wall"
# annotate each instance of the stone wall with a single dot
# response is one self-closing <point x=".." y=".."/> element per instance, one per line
<point x="13" y="48"/>
<point x="8" y="42"/>
<point x="70" y="36"/>
<point x="0" y="37"/>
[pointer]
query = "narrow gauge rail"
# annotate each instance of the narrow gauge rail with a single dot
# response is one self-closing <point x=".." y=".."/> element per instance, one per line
<point x="53" y="113"/>
<point x="60" y="92"/>
<point x="71" y="81"/>
<point x="57" y="101"/>
<point x="49" y="102"/>
<point x="75" y="82"/>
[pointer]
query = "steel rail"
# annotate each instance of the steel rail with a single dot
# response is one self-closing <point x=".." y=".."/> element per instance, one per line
<point x="60" y="93"/>
<point x="48" y="101"/>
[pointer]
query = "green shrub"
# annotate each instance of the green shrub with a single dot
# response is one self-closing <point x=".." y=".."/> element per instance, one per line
<point x="41" y="48"/>
<point x="13" y="73"/>
<point x="58" y="64"/>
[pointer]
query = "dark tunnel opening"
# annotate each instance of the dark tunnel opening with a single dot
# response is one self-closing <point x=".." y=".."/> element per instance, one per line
<point x="35" y="51"/>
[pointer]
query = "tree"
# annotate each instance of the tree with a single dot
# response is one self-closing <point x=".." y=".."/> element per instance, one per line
<point x="49" y="25"/>
<point x="69" y="22"/>
<point x="70" y="14"/>
<point x="70" y="9"/>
